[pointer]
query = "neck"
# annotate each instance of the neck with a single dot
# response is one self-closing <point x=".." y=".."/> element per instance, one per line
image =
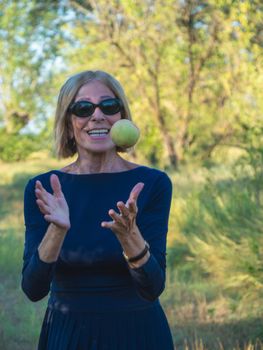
<point x="98" y="164"/>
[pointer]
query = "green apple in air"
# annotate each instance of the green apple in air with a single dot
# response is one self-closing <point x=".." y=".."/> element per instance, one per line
<point x="124" y="133"/>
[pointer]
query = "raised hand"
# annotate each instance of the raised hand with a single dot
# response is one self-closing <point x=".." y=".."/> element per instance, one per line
<point x="53" y="206"/>
<point x="124" y="222"/>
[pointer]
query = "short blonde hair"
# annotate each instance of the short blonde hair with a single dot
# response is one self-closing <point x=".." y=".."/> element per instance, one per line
<point x="64" y="143"/>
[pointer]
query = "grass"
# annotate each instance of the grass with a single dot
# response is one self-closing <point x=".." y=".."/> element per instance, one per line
<point x="215" y="266"/>
<point x="214" y="282"/>
<point x="20" y="320"/>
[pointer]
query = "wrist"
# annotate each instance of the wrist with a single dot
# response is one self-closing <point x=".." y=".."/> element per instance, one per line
<point x="58" y="230"/>
<point x="134" y="258"/>
<point x="139" y="259"/>
<point x="141" y="262"/>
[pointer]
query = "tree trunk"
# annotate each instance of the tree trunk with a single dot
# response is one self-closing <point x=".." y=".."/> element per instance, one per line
<point x="168" y="141"/>
<point x="167" y="138"/>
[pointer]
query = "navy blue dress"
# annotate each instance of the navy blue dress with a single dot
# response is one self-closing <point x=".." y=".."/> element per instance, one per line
<point x="96" y="301"/>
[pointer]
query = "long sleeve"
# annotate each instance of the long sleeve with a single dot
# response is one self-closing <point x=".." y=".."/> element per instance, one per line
<point x="91" y="257"/>
<point x="149" y="279"/>
<point x="36" y="274"/>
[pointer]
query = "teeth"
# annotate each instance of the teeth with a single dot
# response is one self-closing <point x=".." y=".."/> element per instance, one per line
<point x="98" y="132"/>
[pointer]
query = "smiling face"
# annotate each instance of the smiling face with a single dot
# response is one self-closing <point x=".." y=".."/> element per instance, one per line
<point x="92" y="133"/>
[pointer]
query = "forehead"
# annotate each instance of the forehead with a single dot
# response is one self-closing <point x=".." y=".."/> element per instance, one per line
<point x="94" y="89"/>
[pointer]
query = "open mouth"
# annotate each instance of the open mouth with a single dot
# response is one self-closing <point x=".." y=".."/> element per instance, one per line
<point x="98" y="132"/>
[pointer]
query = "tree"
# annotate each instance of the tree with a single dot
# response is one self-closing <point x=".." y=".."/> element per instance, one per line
<point x="29" y="42"/>
<point x="134" y="37"/>
<point x="225" y="57"/>
<point x="192" y="68"/>
<point x="184" y="64"/>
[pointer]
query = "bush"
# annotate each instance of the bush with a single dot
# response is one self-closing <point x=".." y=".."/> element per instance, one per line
<point x="16" y="147"/>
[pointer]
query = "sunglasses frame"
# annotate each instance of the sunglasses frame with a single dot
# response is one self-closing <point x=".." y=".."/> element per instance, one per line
<point x="95" y="105"/>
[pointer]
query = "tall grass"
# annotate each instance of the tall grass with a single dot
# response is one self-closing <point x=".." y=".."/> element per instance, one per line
<point x="215" y="259"/>
<point x="214" y="263"/>
<point x="19" y="319"/>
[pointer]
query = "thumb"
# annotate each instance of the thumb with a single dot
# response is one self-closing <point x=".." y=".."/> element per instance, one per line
<point x="136" y="191"/>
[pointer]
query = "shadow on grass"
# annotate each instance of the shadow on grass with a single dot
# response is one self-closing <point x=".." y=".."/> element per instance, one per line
<point x="218" y="336"/>
<point x="12" y="193"/>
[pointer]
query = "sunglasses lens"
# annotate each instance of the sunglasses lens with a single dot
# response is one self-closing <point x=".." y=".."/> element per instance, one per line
<point x="82" y="109"/>
<point x="110" y="106"/>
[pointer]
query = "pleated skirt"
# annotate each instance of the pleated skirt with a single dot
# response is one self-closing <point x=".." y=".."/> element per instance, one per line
<point x="140" y="329"/>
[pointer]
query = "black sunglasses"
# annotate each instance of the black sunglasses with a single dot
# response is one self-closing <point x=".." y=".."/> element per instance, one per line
<point x="84" y="109"/>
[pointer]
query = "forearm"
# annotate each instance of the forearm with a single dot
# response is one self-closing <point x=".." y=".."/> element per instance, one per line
<point x="133" y="244"/>
<point x="51" y="244"/>
<point x="149" y="279"/>
<point x="39" y="270"/>
<point x="147" y="274"/>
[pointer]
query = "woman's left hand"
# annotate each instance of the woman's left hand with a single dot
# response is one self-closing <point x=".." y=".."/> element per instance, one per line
<point x="124" y="222"/>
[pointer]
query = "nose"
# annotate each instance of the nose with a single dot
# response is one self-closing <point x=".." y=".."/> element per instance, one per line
<point x="97" y="114"/>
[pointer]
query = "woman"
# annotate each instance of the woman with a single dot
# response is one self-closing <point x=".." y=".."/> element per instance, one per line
<point x="103" y="266"/>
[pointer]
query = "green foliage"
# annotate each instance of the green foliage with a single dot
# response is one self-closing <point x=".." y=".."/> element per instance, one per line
<point x="20" y="321"/>
<point x="193" y="75"/>
<point x="150" y="147"/>
<point x="16" y="147"/>
<point x="17" y="314"/>
<point x="192" y="70"/>
<point x="215" y="272"/>
<point x="197" y="81"/>
<point x="220" y="240"/>
<point x="30" y="38"/>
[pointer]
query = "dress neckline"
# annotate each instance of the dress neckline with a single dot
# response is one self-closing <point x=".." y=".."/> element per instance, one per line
<point x="99" y="174"/>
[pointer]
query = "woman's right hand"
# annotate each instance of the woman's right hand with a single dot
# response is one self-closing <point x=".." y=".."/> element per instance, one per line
<point x="53" y="206"/>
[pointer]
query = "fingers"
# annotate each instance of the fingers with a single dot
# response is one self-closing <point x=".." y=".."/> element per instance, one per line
<point x="45" y="196"/>
<point x="115" y="216"/>
<point x="107" y="224"/>
<point x="132" y="201"/>
<point x="123" y="209"/>
<point x="128" y="211"/>
<point x="55" y="184"/>
<point x="48" y="217"/>
<point x="116" y="219"/>
<point x="120" y="221"/>
<point x="45" y="209"/>
<point x="40" y="192"/>
<point x="136" y="191"/>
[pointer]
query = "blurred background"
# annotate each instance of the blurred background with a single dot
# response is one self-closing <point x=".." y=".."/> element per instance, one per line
<point x="192" y="71"/>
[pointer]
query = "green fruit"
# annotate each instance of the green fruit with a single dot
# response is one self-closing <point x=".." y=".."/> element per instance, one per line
<point x="124" y="133"/>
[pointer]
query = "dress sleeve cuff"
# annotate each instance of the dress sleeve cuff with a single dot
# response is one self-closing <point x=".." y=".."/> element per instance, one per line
<point x="41" y="267"/>
<point x="147" y="271"/>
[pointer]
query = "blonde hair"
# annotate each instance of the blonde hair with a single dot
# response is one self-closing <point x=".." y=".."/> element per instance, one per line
<point x="65" y="145"/>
